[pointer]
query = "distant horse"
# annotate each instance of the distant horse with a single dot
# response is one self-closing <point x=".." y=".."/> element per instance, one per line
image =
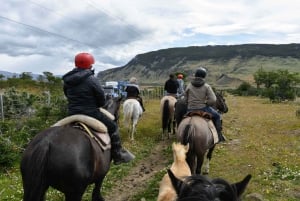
<point x="67" y="159"/>
<point x="132" y="111"/>
<point x="167" y="108"/>
<point x="197" y="131"/>
<point x="179" y="167"/>
<point x="199" y="187"/>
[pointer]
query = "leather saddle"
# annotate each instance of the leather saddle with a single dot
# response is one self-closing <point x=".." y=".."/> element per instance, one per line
<point x="92" y="127"/>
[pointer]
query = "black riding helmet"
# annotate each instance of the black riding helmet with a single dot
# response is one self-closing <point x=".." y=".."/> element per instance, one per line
<point x="201" y="72"/>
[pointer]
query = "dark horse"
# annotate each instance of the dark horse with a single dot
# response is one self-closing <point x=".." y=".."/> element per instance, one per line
<point x="167" y="107"/>
<point x="66" y="159"/>
<point x="199" y="187"/>
<point x="196" y="131"/>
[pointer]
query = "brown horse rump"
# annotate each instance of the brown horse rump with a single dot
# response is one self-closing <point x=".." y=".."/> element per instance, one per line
<point x="93" y="128"/>
<point x="208" y="117"/>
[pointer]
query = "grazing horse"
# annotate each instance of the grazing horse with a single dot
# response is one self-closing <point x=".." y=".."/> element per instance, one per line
<point x="167" y="108"/>
<point x="179" y="167"/>
<point x="132" y="111"/>
<point x="196" y="131"/>
<point x="67" y="159"/>
<point x="199" y="187"/>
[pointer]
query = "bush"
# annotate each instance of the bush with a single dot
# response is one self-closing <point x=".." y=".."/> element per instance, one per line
<point x="8" y="153"/>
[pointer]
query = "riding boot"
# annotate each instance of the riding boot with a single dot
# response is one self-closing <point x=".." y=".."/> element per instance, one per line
<point x="221" y="137"/>
<point x="141" y="103"/>
<point x="119" y="154"/>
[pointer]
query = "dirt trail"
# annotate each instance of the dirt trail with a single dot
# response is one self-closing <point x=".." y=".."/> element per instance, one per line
<point x="139" y="175"/>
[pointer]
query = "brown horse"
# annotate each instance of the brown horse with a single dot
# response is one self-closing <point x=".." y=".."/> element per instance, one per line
<point x="167" y="109"/>
<point x="197" y="131"/>
<point x="67" y="159"/>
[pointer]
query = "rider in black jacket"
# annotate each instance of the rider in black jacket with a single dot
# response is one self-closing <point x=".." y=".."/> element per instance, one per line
<point x="133" y="91"/>
<point x="85" y="96"/>
<point x="171" y="86"/>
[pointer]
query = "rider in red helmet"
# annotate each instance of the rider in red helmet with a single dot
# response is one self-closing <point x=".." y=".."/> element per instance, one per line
<point x="85" y="96"/>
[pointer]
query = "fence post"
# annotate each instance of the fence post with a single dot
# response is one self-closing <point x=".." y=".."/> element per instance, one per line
<point x="2" y="110"/>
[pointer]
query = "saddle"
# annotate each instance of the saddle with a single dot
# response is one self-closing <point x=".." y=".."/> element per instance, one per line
<point x="208" y="117"/>
<point x="200" y="113"/>
<point x="92" y="127"/>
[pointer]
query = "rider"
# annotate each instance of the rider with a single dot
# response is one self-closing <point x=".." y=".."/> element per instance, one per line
<point x="85" y="95"/>
<point x="200" y="96"/>
<point x="180" y="81"/>
<point x="171" y="86"/>
<point x="133" y="91"/>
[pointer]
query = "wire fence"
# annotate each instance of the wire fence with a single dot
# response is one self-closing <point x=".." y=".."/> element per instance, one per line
<point x="14" y="106"/>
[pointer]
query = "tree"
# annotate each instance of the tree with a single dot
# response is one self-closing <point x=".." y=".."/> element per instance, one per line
<point x="25" y="76"/>
<point x="279" y="85"/>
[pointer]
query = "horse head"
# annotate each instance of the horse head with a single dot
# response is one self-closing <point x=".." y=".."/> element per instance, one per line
<point x="113" y="106"/>
<point x="199" y="187"/>
<point x="220" y="105"/>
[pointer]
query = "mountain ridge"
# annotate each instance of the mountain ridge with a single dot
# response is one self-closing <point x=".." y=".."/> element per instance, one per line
<point x="228" y="65"/>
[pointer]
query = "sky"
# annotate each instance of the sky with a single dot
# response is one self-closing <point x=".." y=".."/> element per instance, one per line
<point x="44" y="36"/>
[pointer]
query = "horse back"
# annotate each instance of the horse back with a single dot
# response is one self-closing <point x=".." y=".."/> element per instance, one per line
<point x="62" y="156"/>
<point x="195" y="130"/>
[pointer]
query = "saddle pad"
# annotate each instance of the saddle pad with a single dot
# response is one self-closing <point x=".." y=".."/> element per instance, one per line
<point x="89" y="121"/>
<point x="102" y="139"/>
<point x="213" y="131"/>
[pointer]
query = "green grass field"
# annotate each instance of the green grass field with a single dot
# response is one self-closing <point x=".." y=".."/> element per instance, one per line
<point x="263" y="140"/>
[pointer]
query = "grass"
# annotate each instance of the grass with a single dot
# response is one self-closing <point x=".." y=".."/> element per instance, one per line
<point x="263" y="140"/>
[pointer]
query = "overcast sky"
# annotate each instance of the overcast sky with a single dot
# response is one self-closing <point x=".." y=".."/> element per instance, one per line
<point x="45" y="35"/>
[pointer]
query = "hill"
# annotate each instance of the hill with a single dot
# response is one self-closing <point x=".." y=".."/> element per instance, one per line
<point x="228" y="65"/>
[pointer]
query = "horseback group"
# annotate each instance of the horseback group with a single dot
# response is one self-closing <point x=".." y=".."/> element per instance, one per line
<point x="65" y="158"/>
<point x="197" y="98"/>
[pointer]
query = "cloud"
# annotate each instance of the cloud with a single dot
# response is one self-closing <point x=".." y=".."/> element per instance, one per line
<point x="40" y="35"/>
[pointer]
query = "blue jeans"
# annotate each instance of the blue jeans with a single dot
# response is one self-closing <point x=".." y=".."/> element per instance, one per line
<point x="216" y="117"/>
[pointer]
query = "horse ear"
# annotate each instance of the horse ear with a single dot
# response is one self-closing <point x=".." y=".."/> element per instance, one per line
<point x="175" y="182"/>
<point x="241" y="186"/>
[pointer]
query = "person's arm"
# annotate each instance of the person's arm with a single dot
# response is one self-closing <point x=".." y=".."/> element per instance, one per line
<point x="98" y="92"/>
<point x="211" y="97"/>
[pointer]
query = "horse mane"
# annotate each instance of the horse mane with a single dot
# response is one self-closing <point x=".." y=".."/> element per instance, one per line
<point x="200" y="187"/>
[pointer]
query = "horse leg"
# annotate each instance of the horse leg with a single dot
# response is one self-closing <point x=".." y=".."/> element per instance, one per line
<point x="169" y="128"/>
<point x="191" y="161"/>
<point x="205" y="167"/>
<point x="74" y="195"/>
<point x="96" y="196"/>
<point x="40" y="196"/>
<point x="199" y="162"/>
<point x="208" y="158"/>
<point x="174" y="126"/>
<point x="132" y="132"/>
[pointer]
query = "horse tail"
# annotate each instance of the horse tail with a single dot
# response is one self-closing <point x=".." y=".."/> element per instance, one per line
<point x="33" y="169"/>
<point x="186" y="136"/>
<point x="165" y="114"/>
<point x="128" y="110"/>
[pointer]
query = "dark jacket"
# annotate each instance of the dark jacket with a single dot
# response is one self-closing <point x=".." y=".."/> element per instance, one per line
<point x="171" y="86"/>
<point x="83" y="90"/>
<point x="132" y="90"/>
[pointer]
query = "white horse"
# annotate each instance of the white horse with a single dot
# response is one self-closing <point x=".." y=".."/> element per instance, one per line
<point x="132" y="111"/>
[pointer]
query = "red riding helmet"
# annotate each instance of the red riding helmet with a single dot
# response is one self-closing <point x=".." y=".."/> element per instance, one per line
<point x="84" y="60"/>
<point x="180" y="76"/>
